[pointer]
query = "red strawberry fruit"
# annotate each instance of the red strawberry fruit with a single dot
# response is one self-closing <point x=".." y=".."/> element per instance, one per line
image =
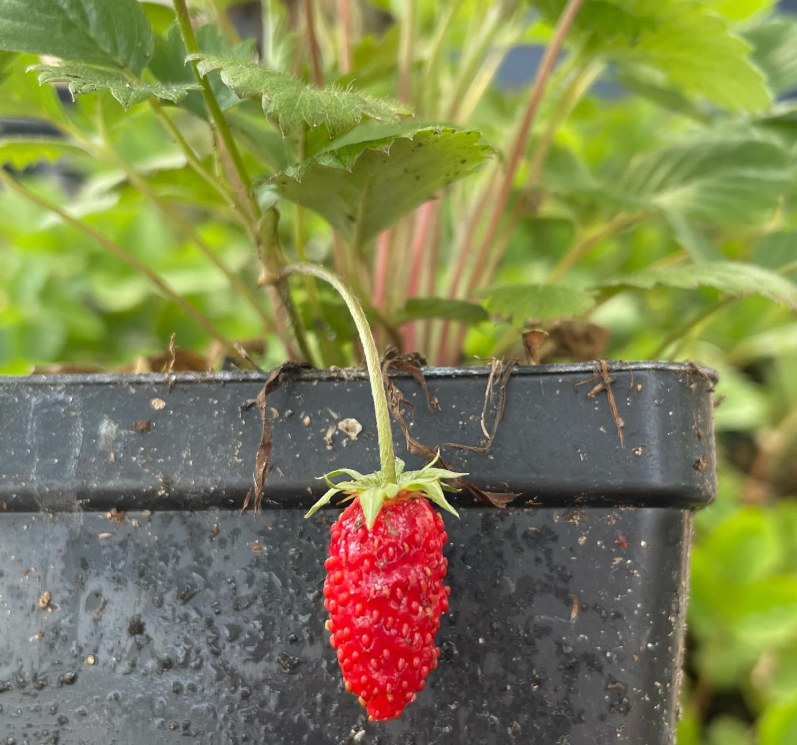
<point x="385" y="594"/>
<point x="384" y="587"/>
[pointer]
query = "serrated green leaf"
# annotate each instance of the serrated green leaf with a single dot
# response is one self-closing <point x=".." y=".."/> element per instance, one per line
<point x="715" y="177"/>
<point x="433" y="307"/>
<point x="95" y="32"/>
<point x="21" y="152"/>
<point x="519" y="303"/>
<point x="169" y="64"/>
<point x="291" y="102"/>
<point x="364" y="187"/>
<point x="686" y="41"/>
<point x="83" y="79"/>
<point x="699" y="54"/>
<point x="774" y="43"/>
<point x="729" y="277"/>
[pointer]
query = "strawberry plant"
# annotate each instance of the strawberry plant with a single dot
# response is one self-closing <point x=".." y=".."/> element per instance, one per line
<point x="634" y="199"/>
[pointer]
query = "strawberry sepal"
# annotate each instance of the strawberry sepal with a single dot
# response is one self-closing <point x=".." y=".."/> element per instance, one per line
<point x="375" y="489"/>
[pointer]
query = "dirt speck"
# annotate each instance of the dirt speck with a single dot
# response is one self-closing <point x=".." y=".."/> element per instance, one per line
<point x="116" y="516"/>
<point x="91" y="660"/>
<point x="574" y="607"/>
<point x="574" y="517"/>
<point x="700" y="465"/>
<point x="350" y="427"/>
<point x="288" y="662"/>
<point x="44" y="600"/>
<point x="141" y="425"/>
<point x="135" y="626"/>
<point x="157" y="404"/>
<point x="306" y="420"/>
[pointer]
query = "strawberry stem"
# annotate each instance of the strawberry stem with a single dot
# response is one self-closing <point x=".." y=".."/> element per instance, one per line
<point x="386" y="454"/>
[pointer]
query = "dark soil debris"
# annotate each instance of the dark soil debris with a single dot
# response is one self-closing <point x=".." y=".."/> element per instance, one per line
<point x="287" y="662"/>
<point x="142" y="425"/>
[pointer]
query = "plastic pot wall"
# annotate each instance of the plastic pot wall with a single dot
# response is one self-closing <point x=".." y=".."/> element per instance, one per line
<point x="174" y="619"/>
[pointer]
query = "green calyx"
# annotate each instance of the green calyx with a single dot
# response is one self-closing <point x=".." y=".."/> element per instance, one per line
<point x="374" y="489"/>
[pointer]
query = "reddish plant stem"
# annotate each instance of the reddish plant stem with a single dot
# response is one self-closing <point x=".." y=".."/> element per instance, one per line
<point x="426" y="217"/>
<point x="344" y="11"/>
<point x="521" y="138"/>
<point x="382" y="265"/>
<point x="339" y="254"/>
<point x="315" y="54"/>
<point x="519" y="144"/>
<point x="462" y="258"/>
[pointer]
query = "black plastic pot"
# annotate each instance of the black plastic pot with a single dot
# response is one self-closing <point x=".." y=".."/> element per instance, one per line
<point x="181" y="620"/>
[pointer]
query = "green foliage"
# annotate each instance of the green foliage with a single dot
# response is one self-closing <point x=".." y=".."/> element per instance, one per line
<point x="433" y="307"/>
<point x="292" y="103"/>
<point x="774" y="43"/>
<point x="729" y="277"/>
<point x="115" y="34"/>
<point x="168" y="63"/>
<point x="666" y="217"/>
<point x="85" y="79"/>
<point x="21" y="152"/>
<point x="519" y="303"/>
<point x="779" y="726"/>
<point x="685" y="43"/>
<point x="364" y="182"/>
<point x="712" y="177"/>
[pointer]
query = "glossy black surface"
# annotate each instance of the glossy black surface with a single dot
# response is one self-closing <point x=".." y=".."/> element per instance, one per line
<point x="175" y="619"/>
<point x="565" y="627"/>
<point x="69" y="441"/>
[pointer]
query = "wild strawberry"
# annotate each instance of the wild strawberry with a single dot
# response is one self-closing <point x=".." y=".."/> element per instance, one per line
<point x="384" y="587"/>
<point x="385" y="594"/>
